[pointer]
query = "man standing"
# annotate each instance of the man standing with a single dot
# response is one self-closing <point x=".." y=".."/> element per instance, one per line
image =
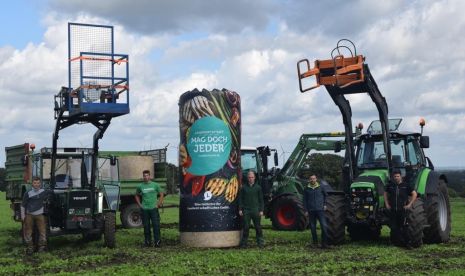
<point x="251" y="208"/>
<point x="315" y="205"/>
<point x="148" y="191"/>
<point x="32" y="214"/>
<point x="396" y="200"/>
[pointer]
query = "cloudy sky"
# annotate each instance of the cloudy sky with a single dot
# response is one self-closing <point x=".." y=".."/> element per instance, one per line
<point x="415" y="50"/>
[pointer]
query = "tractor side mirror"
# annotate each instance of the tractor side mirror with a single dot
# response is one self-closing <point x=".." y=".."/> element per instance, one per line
<point x="424" y="142"/>
<point x="275" y="159"/>
<point x="337" y="146"/>
<point x="113" y="160"/>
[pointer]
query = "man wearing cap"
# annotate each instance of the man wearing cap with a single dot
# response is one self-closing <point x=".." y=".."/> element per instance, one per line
<point x="398" y="198"/>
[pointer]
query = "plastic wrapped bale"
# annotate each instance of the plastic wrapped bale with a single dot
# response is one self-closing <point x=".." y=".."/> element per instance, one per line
<point x="209" y="155"/>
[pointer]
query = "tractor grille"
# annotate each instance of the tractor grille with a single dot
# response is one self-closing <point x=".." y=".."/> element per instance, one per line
<point x="80" y="199"/>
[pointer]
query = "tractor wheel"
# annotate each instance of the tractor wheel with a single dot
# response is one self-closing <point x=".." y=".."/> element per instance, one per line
<point x="413" y="230"/>
<point x="109" y="231"/>
<point x="363" y="232"/>
<point x="131" y="216"/>
<point x="438" y="213"/>
<point x="288" y="214"/>
<point x="336" y="217"/>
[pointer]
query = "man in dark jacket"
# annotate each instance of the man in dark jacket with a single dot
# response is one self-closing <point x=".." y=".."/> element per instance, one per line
<point x="251" y="208"/>
<point x="32" y="213"/>
<point x="396" y="200"/>
<point x="315" y="205"/>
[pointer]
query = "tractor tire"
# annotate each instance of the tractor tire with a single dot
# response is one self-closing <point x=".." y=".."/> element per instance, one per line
<point x="131" y="216"/>
<point x="336" y="218"/>
<point x="363" y="232"/>
<point x="438" y="215"/>
<point x="288" y="214"/>
<point x="412" y="232"/>
<point x="109" y="231"/>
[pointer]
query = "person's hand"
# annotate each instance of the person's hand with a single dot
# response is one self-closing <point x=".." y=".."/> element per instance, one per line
<point x="159" y="204"/>
<point x="388" y="206"/>
<point x="408" y="206"/>
<point x="240" y="213"/>
<point x="306" y="213"/>
<point x="325" y="208"/>
<point x="260" y="213"/>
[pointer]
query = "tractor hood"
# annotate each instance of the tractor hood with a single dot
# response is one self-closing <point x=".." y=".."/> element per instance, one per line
<point x="373" y="179"/>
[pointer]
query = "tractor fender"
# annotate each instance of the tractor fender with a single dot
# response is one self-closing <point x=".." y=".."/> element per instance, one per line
<point x="428" y="181"/>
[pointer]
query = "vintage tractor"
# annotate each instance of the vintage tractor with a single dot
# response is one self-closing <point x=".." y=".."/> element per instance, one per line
<point x="370" y="159"/>
<point x="84" y="188"/>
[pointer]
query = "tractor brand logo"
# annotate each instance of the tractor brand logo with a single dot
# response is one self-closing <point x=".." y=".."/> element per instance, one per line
<point x="80" y="197"/>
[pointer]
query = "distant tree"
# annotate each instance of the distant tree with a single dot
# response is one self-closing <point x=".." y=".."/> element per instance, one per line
<point x="325" y="166"/>
<point x="2" y="180"/>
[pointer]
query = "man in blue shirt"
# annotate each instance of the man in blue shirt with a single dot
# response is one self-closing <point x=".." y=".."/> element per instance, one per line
<point x="314" y="201"/>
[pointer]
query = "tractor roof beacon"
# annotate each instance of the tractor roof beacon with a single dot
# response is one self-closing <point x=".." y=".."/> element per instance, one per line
<point x="371" y="157"/>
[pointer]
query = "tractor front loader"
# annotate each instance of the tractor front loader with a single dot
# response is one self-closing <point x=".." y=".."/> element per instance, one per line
<point x="371" y="158"/>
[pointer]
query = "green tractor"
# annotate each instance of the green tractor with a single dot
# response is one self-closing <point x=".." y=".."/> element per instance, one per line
<point x="283" y="188"/>
<point x="370" y="159"/>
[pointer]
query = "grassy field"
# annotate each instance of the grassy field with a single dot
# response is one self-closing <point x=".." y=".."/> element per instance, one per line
<point x="285" y="253"/>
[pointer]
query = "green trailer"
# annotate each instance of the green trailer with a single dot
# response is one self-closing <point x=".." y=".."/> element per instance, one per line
<point x="131" y="165"/>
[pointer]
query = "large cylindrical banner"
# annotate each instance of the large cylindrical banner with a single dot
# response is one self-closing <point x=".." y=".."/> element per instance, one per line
<point x="209" y="158"/>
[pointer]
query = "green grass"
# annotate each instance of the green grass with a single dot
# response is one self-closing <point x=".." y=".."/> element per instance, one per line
<point x="285" y="253"/>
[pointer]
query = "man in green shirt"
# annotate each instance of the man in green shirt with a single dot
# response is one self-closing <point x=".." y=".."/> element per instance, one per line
<point x="251" y="208"/>
<point x="148" y="191"/>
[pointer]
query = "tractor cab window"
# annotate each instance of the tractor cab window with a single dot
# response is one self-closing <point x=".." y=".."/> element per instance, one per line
<point x="414" y="152"/>
<point x="371" y="154"/>
<point x="68" y="172"/>
<point x="248" y="161"/>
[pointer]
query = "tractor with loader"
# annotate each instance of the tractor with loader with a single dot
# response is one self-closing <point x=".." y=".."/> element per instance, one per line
<point x="84" y="187"/>
<point x="370" y="158"/>
<point x="283" y="188"/>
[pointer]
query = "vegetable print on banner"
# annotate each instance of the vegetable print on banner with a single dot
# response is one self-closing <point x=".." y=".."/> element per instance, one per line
<point x="209" y="156"/>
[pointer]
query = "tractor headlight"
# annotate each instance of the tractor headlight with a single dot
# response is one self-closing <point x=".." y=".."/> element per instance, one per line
<point x="87" y="211"/>
<point x="356" y="199"/>
<point x="71" y="211"/>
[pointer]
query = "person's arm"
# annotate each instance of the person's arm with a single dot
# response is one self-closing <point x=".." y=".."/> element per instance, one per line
<point x="386" y="201"/>
<point x="325" y="195"/>
<point x="413" y="197"/>
<point x="137" y="197"/>
<point x="161" y="199"/>
<point x="241" y="201"/>
<point x="260" y="201"/>
<point x="23" y="205"/>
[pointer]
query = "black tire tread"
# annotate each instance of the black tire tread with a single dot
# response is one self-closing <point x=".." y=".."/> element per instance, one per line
<point x="335" y="216"/>
<point x="109" y="232"/>
<point x="434" y="233"/>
